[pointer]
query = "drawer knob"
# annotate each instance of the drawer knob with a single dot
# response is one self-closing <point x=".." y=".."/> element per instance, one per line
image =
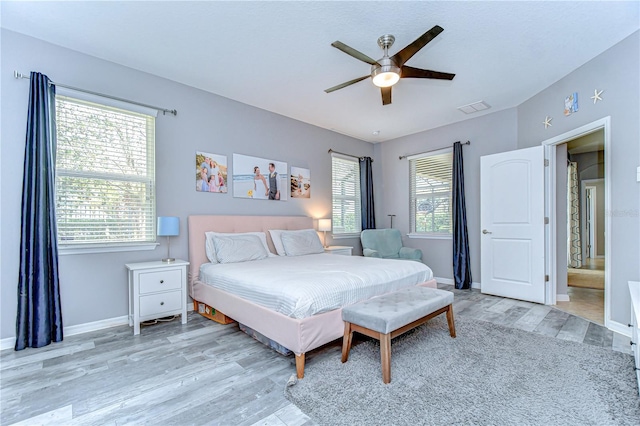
<point x="161" y="303"/>
<point x="161" y="281"/>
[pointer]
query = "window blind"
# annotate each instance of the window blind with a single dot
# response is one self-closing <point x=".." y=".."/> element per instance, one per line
<point x="346" y="195"/>
<point x="105" y="177"/>
<point x="430" y="193"/>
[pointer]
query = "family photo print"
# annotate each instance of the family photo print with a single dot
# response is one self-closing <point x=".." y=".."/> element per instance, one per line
<point x="211" y="172"/>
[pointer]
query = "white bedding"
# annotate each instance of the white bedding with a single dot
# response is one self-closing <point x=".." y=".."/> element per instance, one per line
<point x="303" y="286"/>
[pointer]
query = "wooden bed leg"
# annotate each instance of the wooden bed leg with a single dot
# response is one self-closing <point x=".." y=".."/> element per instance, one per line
<point x="385" y="357"/>
<point x="300" y="366"/>
<point x="452" y="325"/>
<point x="346" y="341"/>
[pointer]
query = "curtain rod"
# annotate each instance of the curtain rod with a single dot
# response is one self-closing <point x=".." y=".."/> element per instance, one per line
<point x="342" y="153"/>
<point x="19" y="75"/>
<point x="431" y="150"/>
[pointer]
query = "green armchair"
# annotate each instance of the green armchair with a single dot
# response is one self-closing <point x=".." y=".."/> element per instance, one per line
<point x="387" y="244"/>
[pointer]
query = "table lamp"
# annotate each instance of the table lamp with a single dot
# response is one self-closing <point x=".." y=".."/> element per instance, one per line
<point x="324" y="225"/>
<point x="168" y="226"/>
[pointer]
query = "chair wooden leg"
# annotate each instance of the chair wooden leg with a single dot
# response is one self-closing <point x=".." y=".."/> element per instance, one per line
<point x="346" y="341"/>
<point x="300" y="366"/>
<point x="452" y="325"/>
<point x="385" y="357"/>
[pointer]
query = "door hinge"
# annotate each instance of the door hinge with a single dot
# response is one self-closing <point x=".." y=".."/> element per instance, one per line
<point x="546" y="220"/>
<point x="546" y="278"/>
<point x="546" y="162"/>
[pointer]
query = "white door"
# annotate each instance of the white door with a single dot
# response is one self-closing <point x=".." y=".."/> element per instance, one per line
<point x="512" y="223"/>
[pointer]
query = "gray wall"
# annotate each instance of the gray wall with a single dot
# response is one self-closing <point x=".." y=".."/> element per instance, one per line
<point x="616" y="72"/>
<point x="94" y="286"/>
<point x="488" y="134"/>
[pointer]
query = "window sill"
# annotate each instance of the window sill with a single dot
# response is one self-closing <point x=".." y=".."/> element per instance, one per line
<point x="104" y="248"/>
<point x="431" y="236"/>
<point x="345" y="236"/>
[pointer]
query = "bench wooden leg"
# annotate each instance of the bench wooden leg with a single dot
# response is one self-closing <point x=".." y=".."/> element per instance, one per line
<point x="346" y="341"/>
<point x="452" y="325"/>
<point x="300" y="366"/>
<point x="385" y="357"/>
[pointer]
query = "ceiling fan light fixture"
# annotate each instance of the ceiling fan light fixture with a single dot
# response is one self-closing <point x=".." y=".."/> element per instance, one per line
<point x="385" y="73"/>
<point x="386" y="78"/>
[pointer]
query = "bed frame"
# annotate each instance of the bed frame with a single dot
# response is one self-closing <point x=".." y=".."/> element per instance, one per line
<point x="297" y="335"/>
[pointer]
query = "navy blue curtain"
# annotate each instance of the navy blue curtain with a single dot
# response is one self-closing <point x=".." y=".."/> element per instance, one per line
<point x="39" y="319"/>
<point x="461" y="261"/>
<point x="367" y="213"/>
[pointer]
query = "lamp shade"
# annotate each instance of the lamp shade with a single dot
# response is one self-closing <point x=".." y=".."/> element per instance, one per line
<point x="324" y="224"/>
<point x="168" y="226"/>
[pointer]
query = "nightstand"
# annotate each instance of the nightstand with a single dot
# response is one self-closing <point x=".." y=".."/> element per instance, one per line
<point x="157" y="289"/>
<point x="342" y="250"/>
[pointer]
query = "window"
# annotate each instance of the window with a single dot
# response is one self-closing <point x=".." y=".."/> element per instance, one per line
<point x="105" y="179"/>
<point x="346" y="195"/>
<point x="430" y="193"/>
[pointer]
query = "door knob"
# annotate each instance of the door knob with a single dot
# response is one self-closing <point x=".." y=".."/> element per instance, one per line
<point x="484" y="231"/>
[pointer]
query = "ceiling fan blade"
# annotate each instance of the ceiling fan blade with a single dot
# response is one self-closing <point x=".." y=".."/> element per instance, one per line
<point x="410" y="72"/>
<point x="405" y="54"/>
<point x="386" y="95"/>
<point x="348" y="83"/>
<point x="353" y="52"/>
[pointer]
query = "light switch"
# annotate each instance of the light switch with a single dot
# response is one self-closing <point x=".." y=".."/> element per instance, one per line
<point x="638" y="175"/>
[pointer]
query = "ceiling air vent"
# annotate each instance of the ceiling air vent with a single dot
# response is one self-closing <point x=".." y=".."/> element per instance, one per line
<point x="474" y="107"/>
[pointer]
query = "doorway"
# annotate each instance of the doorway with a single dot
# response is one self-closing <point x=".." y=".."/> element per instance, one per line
<point x="585" y="226"/>
<point x="578" y="265"/>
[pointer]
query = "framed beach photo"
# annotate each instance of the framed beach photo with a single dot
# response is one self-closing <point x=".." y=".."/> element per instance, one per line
<point x="260" y="178"/>
<point x="300" y="182"/>
<point x="211" y="172"/>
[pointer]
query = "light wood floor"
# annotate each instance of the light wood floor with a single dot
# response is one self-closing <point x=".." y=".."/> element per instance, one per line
<point x="586" y="302"/>
<point x="206" y="373"/>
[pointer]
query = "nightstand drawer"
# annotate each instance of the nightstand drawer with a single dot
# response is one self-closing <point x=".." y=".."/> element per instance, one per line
<point x="156" y="304"/>
<point x="151" y="282"/>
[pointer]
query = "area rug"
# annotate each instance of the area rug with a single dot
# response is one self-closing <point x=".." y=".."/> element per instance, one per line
<point x="585" y="278"/>
<point x="488" y="375"/>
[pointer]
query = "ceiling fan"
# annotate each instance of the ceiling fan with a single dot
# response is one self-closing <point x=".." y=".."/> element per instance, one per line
<point x="387" y="71"/>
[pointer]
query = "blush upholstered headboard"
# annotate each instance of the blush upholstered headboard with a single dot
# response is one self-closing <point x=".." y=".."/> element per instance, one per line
<point x="198" y="225"/>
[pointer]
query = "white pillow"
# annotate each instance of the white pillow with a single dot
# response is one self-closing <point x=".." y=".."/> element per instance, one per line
<point x="299" y="243"/>
<point x="239" y="248"/>
<point x="210" y="248"/>
<point x="276" y="237"/>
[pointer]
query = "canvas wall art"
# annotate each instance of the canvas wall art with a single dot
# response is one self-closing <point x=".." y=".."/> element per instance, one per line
<point x="260" y="178"/>
<point x="300" y="182"/>
<point x="571" y="104"/>
<point x="211" y="172"/>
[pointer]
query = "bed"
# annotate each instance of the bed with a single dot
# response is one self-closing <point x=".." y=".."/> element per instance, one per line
<point x="296" y="331"/>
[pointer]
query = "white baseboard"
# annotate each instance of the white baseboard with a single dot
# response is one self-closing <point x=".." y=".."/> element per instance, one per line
<point x="562" y="298"/>
<point x="72" y="330"/>
<point x="7" y="343"/>
<point x="449" y="281"/>
<point x="620" y="328"/>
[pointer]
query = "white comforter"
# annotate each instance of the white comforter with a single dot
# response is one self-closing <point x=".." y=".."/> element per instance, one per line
<point x="303" y="286"/>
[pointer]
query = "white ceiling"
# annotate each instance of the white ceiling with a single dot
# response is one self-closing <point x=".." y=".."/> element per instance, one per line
<point x="278" y="56"/>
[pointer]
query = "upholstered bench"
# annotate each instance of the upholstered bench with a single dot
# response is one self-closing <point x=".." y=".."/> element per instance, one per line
<point x="390" y="315"/>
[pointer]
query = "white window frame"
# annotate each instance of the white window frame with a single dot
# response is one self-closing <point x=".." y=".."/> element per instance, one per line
<point x="413" y="198"/>
<point x="149" y="180"/>
<point x="337" y="198"/>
